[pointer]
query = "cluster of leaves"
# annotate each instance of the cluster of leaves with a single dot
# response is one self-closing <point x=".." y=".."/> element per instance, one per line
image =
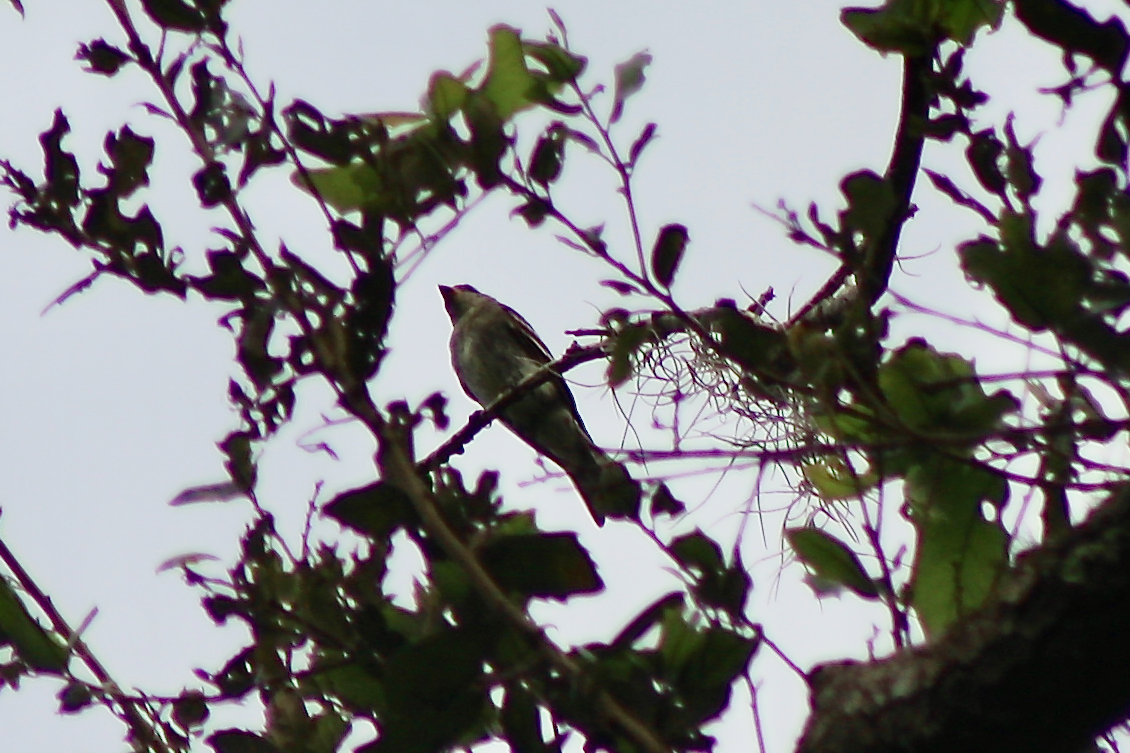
<point x="464" y="663"/>
<point x="912" y="414"/>
<point x="328" y="646"/>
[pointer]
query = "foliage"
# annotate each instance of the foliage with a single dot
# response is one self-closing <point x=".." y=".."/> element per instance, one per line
<point x="861" y="418"/>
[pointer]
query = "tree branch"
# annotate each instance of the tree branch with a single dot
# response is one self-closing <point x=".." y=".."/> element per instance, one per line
<point x="1044" y="667"/>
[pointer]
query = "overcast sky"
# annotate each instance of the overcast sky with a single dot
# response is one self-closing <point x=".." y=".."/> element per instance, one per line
<point x="112" y="404"/>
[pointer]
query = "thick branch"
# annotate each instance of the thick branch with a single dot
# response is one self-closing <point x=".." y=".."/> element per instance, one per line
<point x="902" y="171"/>
<point x="1045" y="667"/>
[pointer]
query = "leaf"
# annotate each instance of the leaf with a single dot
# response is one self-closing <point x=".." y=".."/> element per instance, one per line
<point x="509" y="86"/>
<point x="831" y="560"/>
<point x="562" y="66"/>
<point x="697" y="552"/>
<point x="629" y="80"/>
<point x="646" y="620"/>
<point x="645" y="137"/>
<point x="176" y="15"/>
<point x="983" y="154"/>
<point x="547" y="565"/>
<point x="621" y="287"/>
<point x="34" y="646"/>
<point x="895" y="27"/>
<point x="960" y="554"/>
<point x="913" y="27"/>
<point x="667" y="253"/>
<point x="871" y="203"/>
<point x="240" y="741"/>
<point x="664" y="502"/>
<point x="239" y="463"/>
<point x="940" y="392"/>
<point x="190" y="709"/>
<point x="101" y="57"/>
<point x="946" y="186"/>
<point x="622" y="360"/>
<point x="834" y="480"/>
<point x="130" y="156"/>
<point x="345" y="188"/>
<point x="545" y="162"/>
<point x="521" y="723"/>
<point x="74" y="697"/>
<point x="212" y="185"/>
<point x="1022" y="175"/>
<point x="446" y="95"/>
<point x="375" y="510"/>
<point x="219" y="492"/>
<point x="1074" y="30"/>
<point x="60" y="168"/>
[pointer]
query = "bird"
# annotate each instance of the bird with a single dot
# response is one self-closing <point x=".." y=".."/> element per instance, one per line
<point x="493" y="349"/>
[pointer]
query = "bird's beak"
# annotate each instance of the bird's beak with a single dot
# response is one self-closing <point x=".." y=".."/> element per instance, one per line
<point x="448" y="294"/>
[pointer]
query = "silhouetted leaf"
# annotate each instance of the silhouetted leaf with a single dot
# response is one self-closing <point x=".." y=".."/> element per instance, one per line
<point x="548" y="565"/>
<point x="239" y="463"/>
<point x="831" y="560"/>
<point x="667" y="253"/>
<point x="240" y="741"/>
<point x="1075" y="31"/>
<point x="212" y="185"/>
<point x="74" y="697"/>
<point x="375" y="510"/>
<point x="645" y="137"/>
<point x="629" y="80"/>
<point x="101" y="57"/>
<point x="34" y="646"/>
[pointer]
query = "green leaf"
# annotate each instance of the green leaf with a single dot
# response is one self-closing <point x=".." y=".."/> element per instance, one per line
<point x="239" y="463"/>
<point x="646" y="620"/>
<point x="1074" y="30"/>
<point x="629" y="80"/>
<point x="960" y="554"/>
<point x="664" y="502"/>
<point x="871" y="203"/>
<point x="1022" y="175"/>
<point x="545" y="162"/>
<point x="645" y="137"/>
<point x="831" y="560"/>
<point x="34" y="646"/>
<point x="190" y="709"/>
<point x="240" y="741"/>
<point x="667" y="253"/>
<point x="834" y="480"/>
<point x="548" y="565"/>
<point x="696" y="551"/>
<point x="446" y="95"/>
<point x="561" y="65"/>
<point x="344" y="188"/>
<point x="622" y="360"/>
<point x="74" y="697"/>
<point x="101" y="57"/>
<point x="983" y="154"/>
<point x="895" y="27"/>
<point x="913" y="27"/>
<point x="520" y="720"/>
<point x="176" y="15"/>
<point x="375" y="510"/>
<point x="351" y="682"/>
<point x="940" y="392"/>
<point x="509" y="85"/>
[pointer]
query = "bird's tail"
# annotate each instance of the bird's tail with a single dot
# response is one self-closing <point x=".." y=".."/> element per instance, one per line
<point x="608" y="489"/>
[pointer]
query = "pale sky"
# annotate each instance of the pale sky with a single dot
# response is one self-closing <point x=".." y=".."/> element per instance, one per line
<point x="112" y="403"/>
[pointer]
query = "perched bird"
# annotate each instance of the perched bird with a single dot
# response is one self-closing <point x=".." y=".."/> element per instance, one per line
<point x="493" y="349"/>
